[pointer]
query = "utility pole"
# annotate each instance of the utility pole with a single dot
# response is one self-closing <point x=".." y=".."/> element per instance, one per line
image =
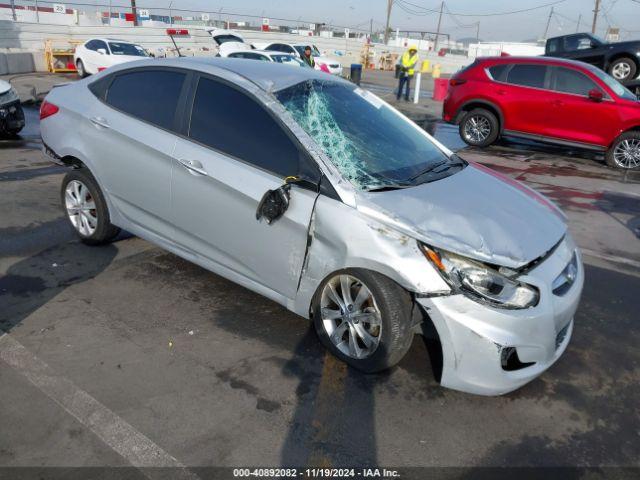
<point x="478" y="32"/>
<point x="546" y="30"/>
<point x="595" y="16"/>
<point x="134" y="12"/>
<point x="386" y="30"/>
<point x="435" y="43"/>
<point x="13" y="10"/>
<point x="579" y="21"/>
<point x="371" y="29"/>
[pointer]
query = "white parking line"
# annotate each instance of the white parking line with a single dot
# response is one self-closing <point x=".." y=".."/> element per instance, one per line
<point x="611" y="258"/>
<point x="132" y="445"/>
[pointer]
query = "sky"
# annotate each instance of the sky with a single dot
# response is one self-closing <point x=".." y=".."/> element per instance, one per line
<point x="410" y="14"/>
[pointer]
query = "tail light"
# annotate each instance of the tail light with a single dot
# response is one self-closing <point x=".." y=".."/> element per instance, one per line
<point x="47" y="109"/>
<point x="454" y="82"/>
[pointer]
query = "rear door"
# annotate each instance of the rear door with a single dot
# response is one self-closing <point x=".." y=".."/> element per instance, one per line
<point x="573" y="115"/>
<point x="521" y="97"/>
<point x="232" y="152"/>
<point x="132" y="137"/>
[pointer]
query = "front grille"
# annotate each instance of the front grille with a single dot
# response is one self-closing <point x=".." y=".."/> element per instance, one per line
<point x="562" y="334"/>
<point x="334" y="65"/>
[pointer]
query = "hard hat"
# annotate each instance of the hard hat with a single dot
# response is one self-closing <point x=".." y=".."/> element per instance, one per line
<point x="413" y="47"/>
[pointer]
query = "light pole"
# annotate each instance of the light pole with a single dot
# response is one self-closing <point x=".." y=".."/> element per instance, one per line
<point x="170" y="14"/>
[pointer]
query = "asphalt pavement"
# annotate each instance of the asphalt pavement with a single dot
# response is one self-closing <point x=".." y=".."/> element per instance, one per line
<point x="127" y="355"/>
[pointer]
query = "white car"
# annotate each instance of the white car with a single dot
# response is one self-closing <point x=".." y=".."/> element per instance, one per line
<point x="297" y="49"/>
<point x="97" y="54"/>
<point x="228" y="41"/>
<point x="267" y="56"/>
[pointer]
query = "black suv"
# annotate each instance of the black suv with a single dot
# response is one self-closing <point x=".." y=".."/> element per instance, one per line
<point x="621" y="60"/>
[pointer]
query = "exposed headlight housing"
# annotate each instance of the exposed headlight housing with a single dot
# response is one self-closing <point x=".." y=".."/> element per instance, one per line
<point x="481" y="282"/>
<point x="8" y="96"/>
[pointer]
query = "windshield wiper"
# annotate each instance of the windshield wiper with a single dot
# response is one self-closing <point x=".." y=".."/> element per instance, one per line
<point x="389" y="186"/>
<point x="454" y="161"/>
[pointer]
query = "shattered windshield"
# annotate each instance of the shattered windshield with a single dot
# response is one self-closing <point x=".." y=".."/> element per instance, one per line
<point x="368" y="142"/>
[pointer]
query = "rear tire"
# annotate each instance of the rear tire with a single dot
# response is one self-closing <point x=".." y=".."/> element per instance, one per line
<point x="623" y="69"/>
<point x="377" y="319"/>
<point x="479" y="128"/>
<point x="82" y="72"/>
<point x="86" y="208"/>
<point x="624" y="154"/>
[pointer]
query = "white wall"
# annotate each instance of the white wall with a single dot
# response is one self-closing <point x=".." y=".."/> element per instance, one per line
<point x="493" y="49"/>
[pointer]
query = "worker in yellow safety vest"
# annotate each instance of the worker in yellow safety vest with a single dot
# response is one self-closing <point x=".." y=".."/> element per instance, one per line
<point x="407" y="69"/>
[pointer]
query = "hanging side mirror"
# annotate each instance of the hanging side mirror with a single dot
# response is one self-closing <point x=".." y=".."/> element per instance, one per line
<point x="274" y="203"/>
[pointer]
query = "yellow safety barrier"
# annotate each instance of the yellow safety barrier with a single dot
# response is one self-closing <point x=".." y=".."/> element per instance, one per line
<point x="436" y="71"/>
<point x="426" y="66"/>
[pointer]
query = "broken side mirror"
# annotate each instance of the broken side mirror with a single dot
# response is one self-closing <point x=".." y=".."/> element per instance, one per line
<point x="274" y="203"/>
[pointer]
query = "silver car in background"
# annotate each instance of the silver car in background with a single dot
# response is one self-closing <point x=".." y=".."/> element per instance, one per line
<point x="320" y="196"/>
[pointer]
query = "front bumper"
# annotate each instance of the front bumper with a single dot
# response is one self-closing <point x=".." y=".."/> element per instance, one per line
<point x="474" y="336"/>
<point x="11" y="117"/>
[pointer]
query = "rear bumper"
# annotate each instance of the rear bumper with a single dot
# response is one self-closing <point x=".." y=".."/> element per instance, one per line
<point x="11" y="117"/>
<point x="477" y="338"/>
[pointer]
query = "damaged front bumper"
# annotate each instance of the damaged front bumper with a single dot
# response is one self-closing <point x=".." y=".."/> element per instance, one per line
<point x="492" y="351"/>
<point x="11" y="117"/>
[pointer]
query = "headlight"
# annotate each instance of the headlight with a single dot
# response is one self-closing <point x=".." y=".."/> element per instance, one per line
<point x="9" y="96"/>
<point x="481" y="282"/>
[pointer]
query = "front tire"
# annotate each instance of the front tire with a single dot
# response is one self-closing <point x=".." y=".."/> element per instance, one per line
<point x="86" y="208"/>
<point x="82" y="72"/>
<point x="364" y="319"/>
<point x="623" y="69"/>
<point x="479" y="128"/>
<point x="624" y="154"/>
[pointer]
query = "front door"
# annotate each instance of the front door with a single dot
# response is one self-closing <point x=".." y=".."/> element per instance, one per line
<point x="573" y="115"/>
<point x="235" y="151"/>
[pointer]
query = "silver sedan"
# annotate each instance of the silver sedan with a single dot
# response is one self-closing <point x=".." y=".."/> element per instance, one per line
<point x="322" y="197"/>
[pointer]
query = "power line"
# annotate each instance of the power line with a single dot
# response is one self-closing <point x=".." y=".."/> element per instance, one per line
<point x="493" y="14"/>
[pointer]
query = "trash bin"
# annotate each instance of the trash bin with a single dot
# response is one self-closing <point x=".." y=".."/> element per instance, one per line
<point x="440" y="88"/>
<point x="355" y="75"/>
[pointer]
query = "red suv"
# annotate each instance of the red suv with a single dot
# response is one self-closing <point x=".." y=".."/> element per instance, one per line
<point x="551" y="100"/>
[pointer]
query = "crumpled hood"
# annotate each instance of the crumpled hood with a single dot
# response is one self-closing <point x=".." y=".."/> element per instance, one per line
<point x="4" y="87"/>
<point x="477" y="213"/>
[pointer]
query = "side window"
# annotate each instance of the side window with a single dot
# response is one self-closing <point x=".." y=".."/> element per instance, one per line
<point x="553" y="45"/>
<point x="567" y="80"/>
<point x="527" y="75"/>
<point x="230" y="121"/>
<point x="497" y="71"/>
<point x="150" y="95"/>
<point x="100" y="44"/>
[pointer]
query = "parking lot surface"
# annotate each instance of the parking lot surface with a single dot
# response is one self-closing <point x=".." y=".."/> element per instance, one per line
<point x="126" y="354"/>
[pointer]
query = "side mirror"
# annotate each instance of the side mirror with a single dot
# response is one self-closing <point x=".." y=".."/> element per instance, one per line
<point x="102" y="51"/>
<point x="274" y="203"/>
<point x="596" y="95"/>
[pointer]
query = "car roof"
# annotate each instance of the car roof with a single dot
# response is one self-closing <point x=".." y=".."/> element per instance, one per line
<point x="269" y="76"/>
<point x="540" y="60"/>
<point x="104" y="39"/>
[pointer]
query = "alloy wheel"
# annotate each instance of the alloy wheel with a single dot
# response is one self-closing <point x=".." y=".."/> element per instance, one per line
<point x="621" y="71"/>
<point x="81" y="208"/>
<point x="350" y="316"/>
<point x="627" y="153"/>
<point x="80" y="68"/>
<point x="477" y="129"/>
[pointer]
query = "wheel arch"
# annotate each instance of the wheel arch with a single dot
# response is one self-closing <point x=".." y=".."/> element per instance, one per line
<point x="480" y="103"/>
<point x="619" y="55"/>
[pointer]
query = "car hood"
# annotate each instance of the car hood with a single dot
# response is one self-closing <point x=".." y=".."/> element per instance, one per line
<point x="477" y="213"/>
<point x="4" y="87"/>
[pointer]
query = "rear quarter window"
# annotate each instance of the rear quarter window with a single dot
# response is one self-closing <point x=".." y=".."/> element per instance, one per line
<point x="497" y="72"/>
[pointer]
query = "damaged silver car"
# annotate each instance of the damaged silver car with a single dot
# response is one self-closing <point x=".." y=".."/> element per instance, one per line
<point x="320" y="196"/>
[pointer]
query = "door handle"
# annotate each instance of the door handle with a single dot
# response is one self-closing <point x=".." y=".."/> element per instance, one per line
<point x="100" y="122"/>
<point x="557" y="103"/>
<point x="501" y="91"/>
<point x="193" y="166"/>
